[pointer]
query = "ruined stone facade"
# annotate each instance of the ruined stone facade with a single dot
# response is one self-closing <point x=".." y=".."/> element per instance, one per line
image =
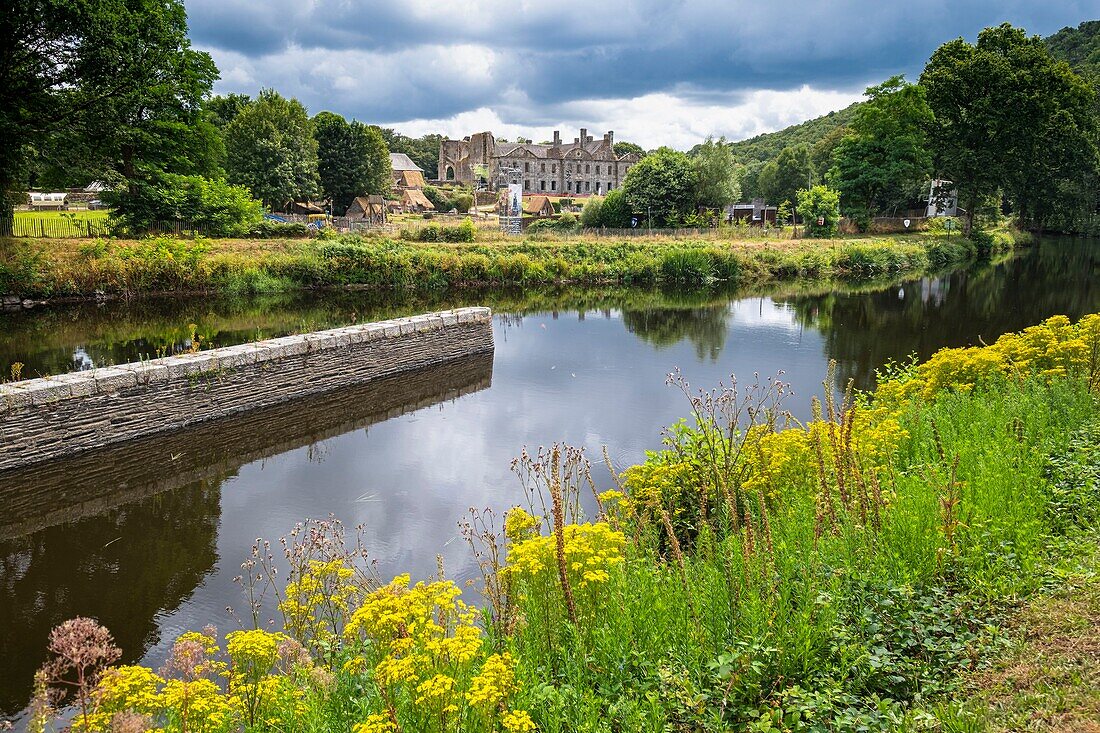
<point x="585" y="166"/>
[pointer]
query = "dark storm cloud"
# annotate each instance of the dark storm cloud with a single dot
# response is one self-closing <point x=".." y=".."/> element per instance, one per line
<point x="390" y="60"/>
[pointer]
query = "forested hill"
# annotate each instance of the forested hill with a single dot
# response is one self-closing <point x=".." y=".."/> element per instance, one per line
<point x="762" y="148"/>
<point x="1079" y="46"/>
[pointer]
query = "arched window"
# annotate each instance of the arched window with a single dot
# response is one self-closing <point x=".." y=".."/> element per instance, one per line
<point x="449" y="173"/>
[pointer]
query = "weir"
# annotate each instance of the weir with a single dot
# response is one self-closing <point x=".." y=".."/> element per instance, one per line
<point x="53" y="417"/>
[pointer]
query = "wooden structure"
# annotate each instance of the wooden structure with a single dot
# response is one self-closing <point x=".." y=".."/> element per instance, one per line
<point x="367" y="209"/>
<point x="406" y="173"/>
<point x="538" y="206"/>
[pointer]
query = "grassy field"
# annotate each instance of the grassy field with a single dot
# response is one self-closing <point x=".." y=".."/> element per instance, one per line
<point x="77" y="214"/>
<point x="81" y="267"/>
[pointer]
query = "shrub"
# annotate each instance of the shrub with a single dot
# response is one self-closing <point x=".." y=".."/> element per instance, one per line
<point x="819" y="208"/>
<point x="211" y="206"/>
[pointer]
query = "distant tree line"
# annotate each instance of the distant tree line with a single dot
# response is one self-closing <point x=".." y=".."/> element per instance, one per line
<point x="1012" y="126"/>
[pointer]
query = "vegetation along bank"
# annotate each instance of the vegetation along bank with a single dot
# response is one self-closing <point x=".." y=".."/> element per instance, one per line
<point x="81" y="268"/>
<point x="860" y="572"/>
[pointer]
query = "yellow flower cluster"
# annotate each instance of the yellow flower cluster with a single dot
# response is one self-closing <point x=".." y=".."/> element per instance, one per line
<point x="591" y="551"/>
<point x="1054" y="348"/>
<point x="495" y="682"/>
<point x="321" y="592"/>
<point x="519" y="525"/>
<point x="426" y="649"/>
<point x="253" y="651"/>
<point x="517" y="721"/>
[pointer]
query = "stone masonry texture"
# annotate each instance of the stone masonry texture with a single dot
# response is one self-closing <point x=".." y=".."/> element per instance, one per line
<point x="59" y="416"/>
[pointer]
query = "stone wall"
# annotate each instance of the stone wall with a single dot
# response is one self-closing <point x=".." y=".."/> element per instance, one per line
<point x="58" y="416"/>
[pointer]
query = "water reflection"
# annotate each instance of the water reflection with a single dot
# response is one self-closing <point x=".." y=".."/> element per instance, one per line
<point x="149" y="537"/>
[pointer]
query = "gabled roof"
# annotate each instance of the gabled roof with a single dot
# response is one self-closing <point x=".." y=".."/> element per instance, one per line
<point x="535" y="204"/>
<point x="416" y="197"/>
<point x="402" y="162"/>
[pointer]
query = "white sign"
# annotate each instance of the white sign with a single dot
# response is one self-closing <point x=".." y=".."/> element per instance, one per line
<point x="906" y="223"/>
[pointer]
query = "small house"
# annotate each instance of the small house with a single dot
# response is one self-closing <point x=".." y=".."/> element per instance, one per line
<point x="538" y="206"/>
<point x="406" y="173"/>
<point x="756" y="213"/>
<point x="304" y="208"/>
<point x="367" y="209"/>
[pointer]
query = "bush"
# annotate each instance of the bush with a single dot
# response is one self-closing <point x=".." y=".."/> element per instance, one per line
<point x="820" y="210"/>
<point x="464" y="232"/>
<point x="566" y="223"/>
<point x="209" y="205"/>
<point x="266" y="229"/>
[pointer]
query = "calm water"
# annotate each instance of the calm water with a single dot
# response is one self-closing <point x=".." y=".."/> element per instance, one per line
<point x="149" y="538"/>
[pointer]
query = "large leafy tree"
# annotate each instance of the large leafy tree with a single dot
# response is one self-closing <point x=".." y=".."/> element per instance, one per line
<point x="884" y="158"/>
<point x="1010" y="118"/>
<point x="270" y="148"/>
<point x="424" y="151"/>
<point x="661" y="186"/>
<point x="781" y="179"/>
<point x="716" y="176"/>
<point x="106" y="86"/>
<point x="352" y="159"/>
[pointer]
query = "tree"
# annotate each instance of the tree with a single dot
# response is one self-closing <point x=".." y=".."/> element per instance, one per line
<point x="352" y="159"/>
<point x="221" y="110"/>
<point x="112" y="84"/>
<point x="213" y="206"/>
<point x="661" y="186"/>
<point x="625" y="148"/>
<point x="270" y="148"/>
<point x="884" y="157"/>
<point x="820" y="210"/>
<point x="716" y="180"/>
<point x="1009" y="117"/>
<point x="781" y="179"/>
<point x="615" y="212"/>
<point x="424" y="150"/>
<point x="592" y="213"/>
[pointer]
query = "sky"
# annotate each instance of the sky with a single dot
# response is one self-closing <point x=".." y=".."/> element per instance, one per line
<point x="657" y="72"/>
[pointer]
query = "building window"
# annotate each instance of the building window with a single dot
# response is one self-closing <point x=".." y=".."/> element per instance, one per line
<point x="587" y="186"/>
<point x="578" y="186"/>
<point x="542" y="185"/>
<point x="526" y="167"/>
<point x="554" y="168"/>
<point x="588" y="169"/>
<point x="526" y="185"/>
<point x="542" y="167"/>
<point x="553" y="185"/>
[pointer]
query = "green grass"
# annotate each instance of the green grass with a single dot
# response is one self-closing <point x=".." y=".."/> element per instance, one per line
<point x="83" y="267"/>
<point x="78" y="214"/>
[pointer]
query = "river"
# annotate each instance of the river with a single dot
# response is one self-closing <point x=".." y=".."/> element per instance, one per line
<point x="149" y="538"/>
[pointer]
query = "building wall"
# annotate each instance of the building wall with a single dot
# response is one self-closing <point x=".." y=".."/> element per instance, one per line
<point x="58" y="416"/>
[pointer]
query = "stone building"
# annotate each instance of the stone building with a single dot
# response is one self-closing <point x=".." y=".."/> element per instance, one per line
<point x="585" y="166"/>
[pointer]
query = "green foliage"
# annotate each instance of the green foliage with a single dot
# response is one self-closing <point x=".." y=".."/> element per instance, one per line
<point x="1073" y="481"/>
<point x="1009" y="117"/>
<point x="211" y="206"/>
<point x="767" y="147"/>
<point x="624" y="148"/>
<point x="1079" y="47"/>
<point x="464" y="232"/>
<point x="566" y="223"/>
<point x="592" y="213"/>
<point x="782" y="178"/>
<point x="458" y="199"/>
<point x="661" y="185"/>
<point x="352" y="160"/>
<point x="716" y="179"/>
<point x="883" y="160"/>
<point x="270" y="149"/>
<point x="820" y="211"/>
<point x="223" y="109"/>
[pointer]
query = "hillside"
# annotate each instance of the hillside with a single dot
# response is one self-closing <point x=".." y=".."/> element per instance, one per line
<point x="1079" y="46"/>
<point x="763" y="148"/>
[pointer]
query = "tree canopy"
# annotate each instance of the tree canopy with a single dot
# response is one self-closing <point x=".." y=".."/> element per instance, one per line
<point x="781" y="179"/>
<point x="270" y="148"/>
<point x="1009" y="117"/>
<point x="883" y="159"/>
<point x="716" y="177"/>
<point x="661" y="186"/>
<point x="352" y="160"/>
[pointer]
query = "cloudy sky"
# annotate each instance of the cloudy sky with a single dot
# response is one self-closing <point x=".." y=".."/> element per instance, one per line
<point x="658" y="72"/>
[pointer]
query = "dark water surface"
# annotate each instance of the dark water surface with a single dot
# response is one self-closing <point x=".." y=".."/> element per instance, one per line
<point x="148" y="538"/>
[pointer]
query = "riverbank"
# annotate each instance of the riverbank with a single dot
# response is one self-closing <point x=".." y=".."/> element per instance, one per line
<point x="59" y="269"/>
<point x="843" y="575"/>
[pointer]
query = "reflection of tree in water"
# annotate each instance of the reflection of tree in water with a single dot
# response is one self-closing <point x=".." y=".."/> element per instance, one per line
<point x="705" y="327"/>
<point x="124" y="567"/>
<point x="863" y="331"/>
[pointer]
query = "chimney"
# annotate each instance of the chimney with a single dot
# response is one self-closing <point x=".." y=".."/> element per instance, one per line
<point x="584" y="135"/>
<point x="557" y="138"/>
<point x="609" y="138"/>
